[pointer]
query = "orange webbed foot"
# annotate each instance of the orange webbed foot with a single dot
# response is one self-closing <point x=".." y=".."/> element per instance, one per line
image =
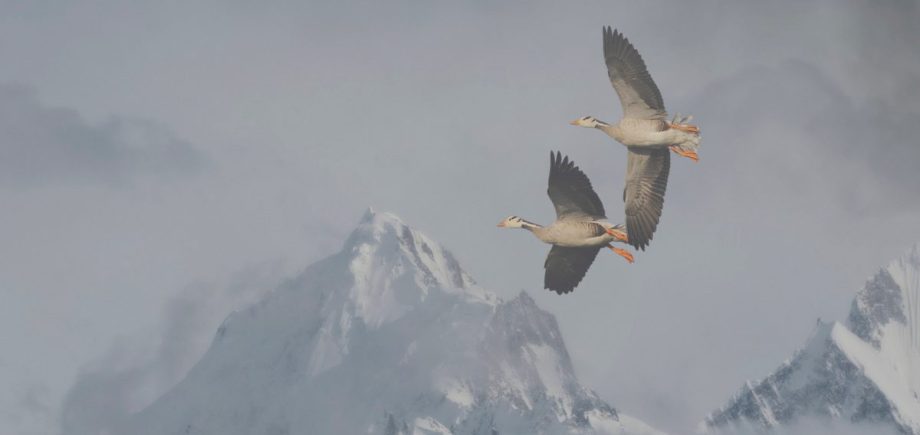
<point x="689" y="128"/>
<point x="692" y="155"/>
<point x="620" y="236"/>
<point x="623" y="253"/>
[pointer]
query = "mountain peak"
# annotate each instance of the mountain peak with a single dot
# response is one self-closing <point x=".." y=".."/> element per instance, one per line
<point x="865" y="370"/>
<point x="382" y="247"/>
<point x="890" y="299"/>
<point x="372" y="215"/>
<point x="373" y="224"/>
<point x="907" y="260"/>
<point x="524" y="299"/>
<point x="388" y="336"/>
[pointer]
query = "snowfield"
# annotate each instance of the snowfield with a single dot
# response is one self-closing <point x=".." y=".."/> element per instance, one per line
<point x="389" y="336"/>
<point x="864" y="371"/>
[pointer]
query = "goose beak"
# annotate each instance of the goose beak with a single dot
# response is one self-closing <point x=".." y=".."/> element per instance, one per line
<point x="575" y="122"/>
<point x="501" y="224"/>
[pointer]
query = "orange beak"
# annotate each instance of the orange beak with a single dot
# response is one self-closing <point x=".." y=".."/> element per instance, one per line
<point x="575" y="122"/>
<point x="501" y="224"/>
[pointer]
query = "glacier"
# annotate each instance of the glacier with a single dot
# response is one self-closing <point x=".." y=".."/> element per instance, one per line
<point x="389" y="336"/>
<point x="865" y="370"/>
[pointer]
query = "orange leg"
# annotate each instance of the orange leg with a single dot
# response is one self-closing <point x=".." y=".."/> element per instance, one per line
<point x="689" y="128"/>
<point x="621" y="252"/>
<point x="618" y="235"/>
<point x="692" y="155"/>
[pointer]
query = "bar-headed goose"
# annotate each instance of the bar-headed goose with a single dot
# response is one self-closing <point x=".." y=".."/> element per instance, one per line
<point x="647" y="134"/>
<point x="580" y="230"/>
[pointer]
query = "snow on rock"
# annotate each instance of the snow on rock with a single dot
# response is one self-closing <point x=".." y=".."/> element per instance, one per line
<point x="389" y="336"/>
<point x="864" y="371"/>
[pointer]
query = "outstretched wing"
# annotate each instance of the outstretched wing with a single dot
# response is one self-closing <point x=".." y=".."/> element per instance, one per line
<point x="646" y="181"/>
<point x="565" y="267"/>
<point x="571" y="191"/>
<point x="638" y="93"/>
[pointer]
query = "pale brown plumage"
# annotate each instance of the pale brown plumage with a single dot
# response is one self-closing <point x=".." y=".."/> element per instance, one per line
<point x="580" y="230"/>
<point x="647" y="134"/>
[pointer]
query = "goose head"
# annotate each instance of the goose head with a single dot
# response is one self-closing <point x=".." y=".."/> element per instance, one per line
<point x="587" y="122"/>
<point x="511" y="222"/>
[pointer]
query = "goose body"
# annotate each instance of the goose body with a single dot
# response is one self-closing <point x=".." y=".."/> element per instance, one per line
<point x="647" y="135"/>
<point x="576" y="234"/>
<point x="643" y="133"/>
<point x="581" y="228"/>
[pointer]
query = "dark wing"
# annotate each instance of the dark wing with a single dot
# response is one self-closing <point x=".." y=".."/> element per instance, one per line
<point x="570" y="190"/>
<point x="565" y="267"/>
<point x="638" y="93"/>
<point x="646" y="181"/>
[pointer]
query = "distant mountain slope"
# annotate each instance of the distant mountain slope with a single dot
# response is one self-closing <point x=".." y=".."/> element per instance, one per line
<point x="866" y="370"/>
<point x="389" y="336"/>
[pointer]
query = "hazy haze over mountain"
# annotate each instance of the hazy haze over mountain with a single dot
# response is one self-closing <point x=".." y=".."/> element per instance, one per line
<point x="231" y="144"/>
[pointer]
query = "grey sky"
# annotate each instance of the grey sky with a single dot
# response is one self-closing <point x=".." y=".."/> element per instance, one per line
<point x="296" y="117"/>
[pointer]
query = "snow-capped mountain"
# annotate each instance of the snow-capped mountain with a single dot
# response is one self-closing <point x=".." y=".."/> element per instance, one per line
<point x="389" y="336"/>
<point x="866" y="370"/>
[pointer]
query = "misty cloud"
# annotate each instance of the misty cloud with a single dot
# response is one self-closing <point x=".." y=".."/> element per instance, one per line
<point x="133" y="373"/>
<point x="44" y="145"/>
<point x="30" y="408"/>
<point x="802" y="138"/>
<point x="812" y="426"/>
<point x="444" y="113"/>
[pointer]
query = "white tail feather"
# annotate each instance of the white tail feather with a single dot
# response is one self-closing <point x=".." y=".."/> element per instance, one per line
<point x="686" y="141"/>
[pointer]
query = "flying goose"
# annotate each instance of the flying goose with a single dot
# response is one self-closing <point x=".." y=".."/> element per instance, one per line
<point x="580" y="230"/>
<point x="647" y="135"/>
